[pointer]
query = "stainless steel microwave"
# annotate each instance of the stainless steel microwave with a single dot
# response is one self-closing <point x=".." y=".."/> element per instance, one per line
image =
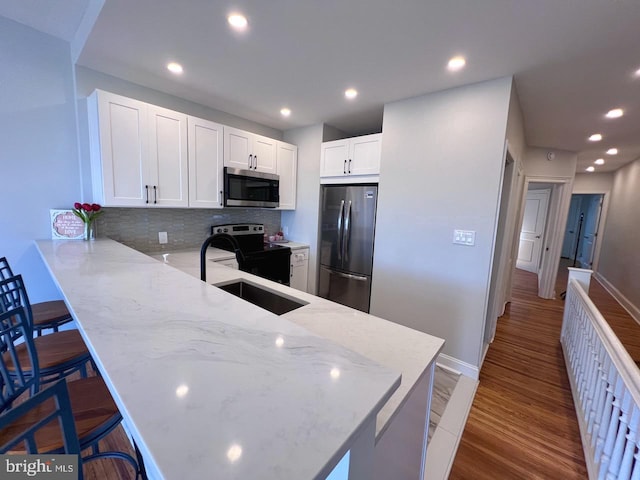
<point x="246" y="188"/>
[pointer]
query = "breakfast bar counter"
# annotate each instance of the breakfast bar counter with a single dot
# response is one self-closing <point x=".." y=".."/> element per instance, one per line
<point x="211" y="386"/>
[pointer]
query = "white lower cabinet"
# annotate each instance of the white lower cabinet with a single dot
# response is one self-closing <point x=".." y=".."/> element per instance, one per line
<point x="299" y="269"/>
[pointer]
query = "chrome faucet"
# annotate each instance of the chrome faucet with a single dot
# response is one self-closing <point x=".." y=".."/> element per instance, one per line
<point x="234" y="244"/>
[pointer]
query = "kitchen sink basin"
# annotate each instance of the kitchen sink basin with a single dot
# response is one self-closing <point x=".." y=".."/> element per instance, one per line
<point x="263" y="298"/>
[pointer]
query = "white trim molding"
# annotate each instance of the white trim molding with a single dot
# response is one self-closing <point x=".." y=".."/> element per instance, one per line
<point x="451" y="363"/>
<point x="631" y="309"/>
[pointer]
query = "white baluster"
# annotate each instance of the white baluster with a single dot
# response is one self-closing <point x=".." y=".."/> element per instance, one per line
<point x="631" y="443"/>
<point x="612" y="431"/>
<point x="600" y="390"/>
<point x="621" y="437"/>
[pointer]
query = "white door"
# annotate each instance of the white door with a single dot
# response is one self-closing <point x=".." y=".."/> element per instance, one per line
<point x="205" y="163"/>
<point x="364" y="155"/>
<point x="591" y="210"/>
<point x="532" y="233"/>
<point x="167" y="168"/>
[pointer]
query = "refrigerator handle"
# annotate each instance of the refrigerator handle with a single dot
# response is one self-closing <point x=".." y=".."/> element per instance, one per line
<point x="347" y="233"/>
<point x="350" y="276"/>
<point x="340" y="244"/>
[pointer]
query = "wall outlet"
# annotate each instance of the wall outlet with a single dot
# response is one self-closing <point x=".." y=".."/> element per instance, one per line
<point x="464" y="237"/>
<point x="162" y="237"/>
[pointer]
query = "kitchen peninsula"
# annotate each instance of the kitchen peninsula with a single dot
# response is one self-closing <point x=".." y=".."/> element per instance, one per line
<point x="207" y="382"/>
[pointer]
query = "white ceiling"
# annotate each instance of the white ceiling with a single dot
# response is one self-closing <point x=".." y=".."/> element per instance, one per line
<point x="572" y="59"/>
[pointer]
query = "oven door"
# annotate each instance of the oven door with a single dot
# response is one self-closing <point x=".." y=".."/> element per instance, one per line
<point x="272" y="265"/>
<point x="246" y="188"/>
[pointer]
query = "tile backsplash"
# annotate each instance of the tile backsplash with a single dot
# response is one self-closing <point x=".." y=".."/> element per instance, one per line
<point x="186" y="228"/>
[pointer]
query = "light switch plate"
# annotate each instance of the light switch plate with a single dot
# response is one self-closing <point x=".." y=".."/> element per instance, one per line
<point x="163" y="238"/>
<point x="464" y="237"/>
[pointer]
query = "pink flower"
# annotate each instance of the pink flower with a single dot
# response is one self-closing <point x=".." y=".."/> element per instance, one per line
<point x="77" y="205"/>
<point x="95" y="207"/>
<point x="86" y="207"/>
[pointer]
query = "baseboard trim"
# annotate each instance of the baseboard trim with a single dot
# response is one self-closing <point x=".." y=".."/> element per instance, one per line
<point x="622" y="300"/>
<point x="451" y="363"/>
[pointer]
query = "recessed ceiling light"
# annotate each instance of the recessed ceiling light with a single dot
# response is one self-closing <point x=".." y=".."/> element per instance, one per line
<point x="591" y="169"/>
<point x="638" y="73"/>
<point x="615" y="113"/>
<point x="456" y="63"/>
<point x="237" y="21"/>
<point x="599" y="161"/>
<point x="612" y="151"/>
<point x="596" y="137"/>
<point x="351" y="93"/>
<point x="174" y="67"/>
<point x="285" y="112"/>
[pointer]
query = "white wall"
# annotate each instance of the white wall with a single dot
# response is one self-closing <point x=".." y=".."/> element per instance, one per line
<point x="303" y="222"/>
<point x="38" y="153"/>
<point x="593" y="182"/>
<point x="442" y="157"/>
<point x="620" y="251"/>
<point x="88" y="80"/>
<point x="536" y="163"/>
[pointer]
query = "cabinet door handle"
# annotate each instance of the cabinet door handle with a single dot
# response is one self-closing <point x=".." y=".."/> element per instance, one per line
<point x="146" y="188"/>
<point x="349" y="165"/>
<point x="250" y="162"/>
<point x="255" y="164"/>
<point x="221" y="200"/>
<point x="155" y="194"/>
<point x="344" y="167"/>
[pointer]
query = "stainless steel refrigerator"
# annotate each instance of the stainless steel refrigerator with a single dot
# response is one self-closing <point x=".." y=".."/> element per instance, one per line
<point x="348" y="218"/>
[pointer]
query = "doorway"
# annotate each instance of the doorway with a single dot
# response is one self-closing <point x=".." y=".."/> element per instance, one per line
<point x="558" y="207"/>
<point x="581" y="233"/>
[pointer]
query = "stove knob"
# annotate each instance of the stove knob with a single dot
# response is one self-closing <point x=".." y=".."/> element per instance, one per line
<point x="226" y="230"/>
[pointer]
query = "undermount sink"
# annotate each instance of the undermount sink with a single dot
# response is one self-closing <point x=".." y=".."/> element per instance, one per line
<point x="263" y="298"/>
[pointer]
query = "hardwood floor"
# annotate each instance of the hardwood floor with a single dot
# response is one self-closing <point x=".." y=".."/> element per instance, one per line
<point x="522" y="423"/>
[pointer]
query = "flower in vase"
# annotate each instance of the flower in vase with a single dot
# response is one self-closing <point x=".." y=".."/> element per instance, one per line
<point x="87" y="212"/>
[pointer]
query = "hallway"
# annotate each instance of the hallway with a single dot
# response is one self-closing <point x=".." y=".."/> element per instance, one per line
<point x="522" y="423"/>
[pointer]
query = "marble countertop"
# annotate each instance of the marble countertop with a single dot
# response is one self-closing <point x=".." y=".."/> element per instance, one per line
<point x="400" y="348"/>
<point x="208" y="384"/>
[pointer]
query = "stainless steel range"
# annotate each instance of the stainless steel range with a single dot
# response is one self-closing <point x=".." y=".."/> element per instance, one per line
<point x="265" y="260"/>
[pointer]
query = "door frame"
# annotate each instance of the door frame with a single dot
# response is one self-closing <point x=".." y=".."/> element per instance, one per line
<point x="606" y="194"/>
<point x="561" y="192"/>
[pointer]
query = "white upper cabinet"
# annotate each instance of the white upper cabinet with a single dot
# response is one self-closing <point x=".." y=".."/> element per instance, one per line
<point x="287" y="160"/>
<point x="138" y="153"/>
<point x="249" y="151"/>
<point x="205" y="163"/>
<point x="168" y="171"/>
<point x="351" y="159"/>
<point x="143" y="155"/>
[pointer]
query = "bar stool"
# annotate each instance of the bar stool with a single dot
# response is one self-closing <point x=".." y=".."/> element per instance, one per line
<point x="59" y="354"/>
<point x="46" y="315"/>
<point x="94" y="412"/>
